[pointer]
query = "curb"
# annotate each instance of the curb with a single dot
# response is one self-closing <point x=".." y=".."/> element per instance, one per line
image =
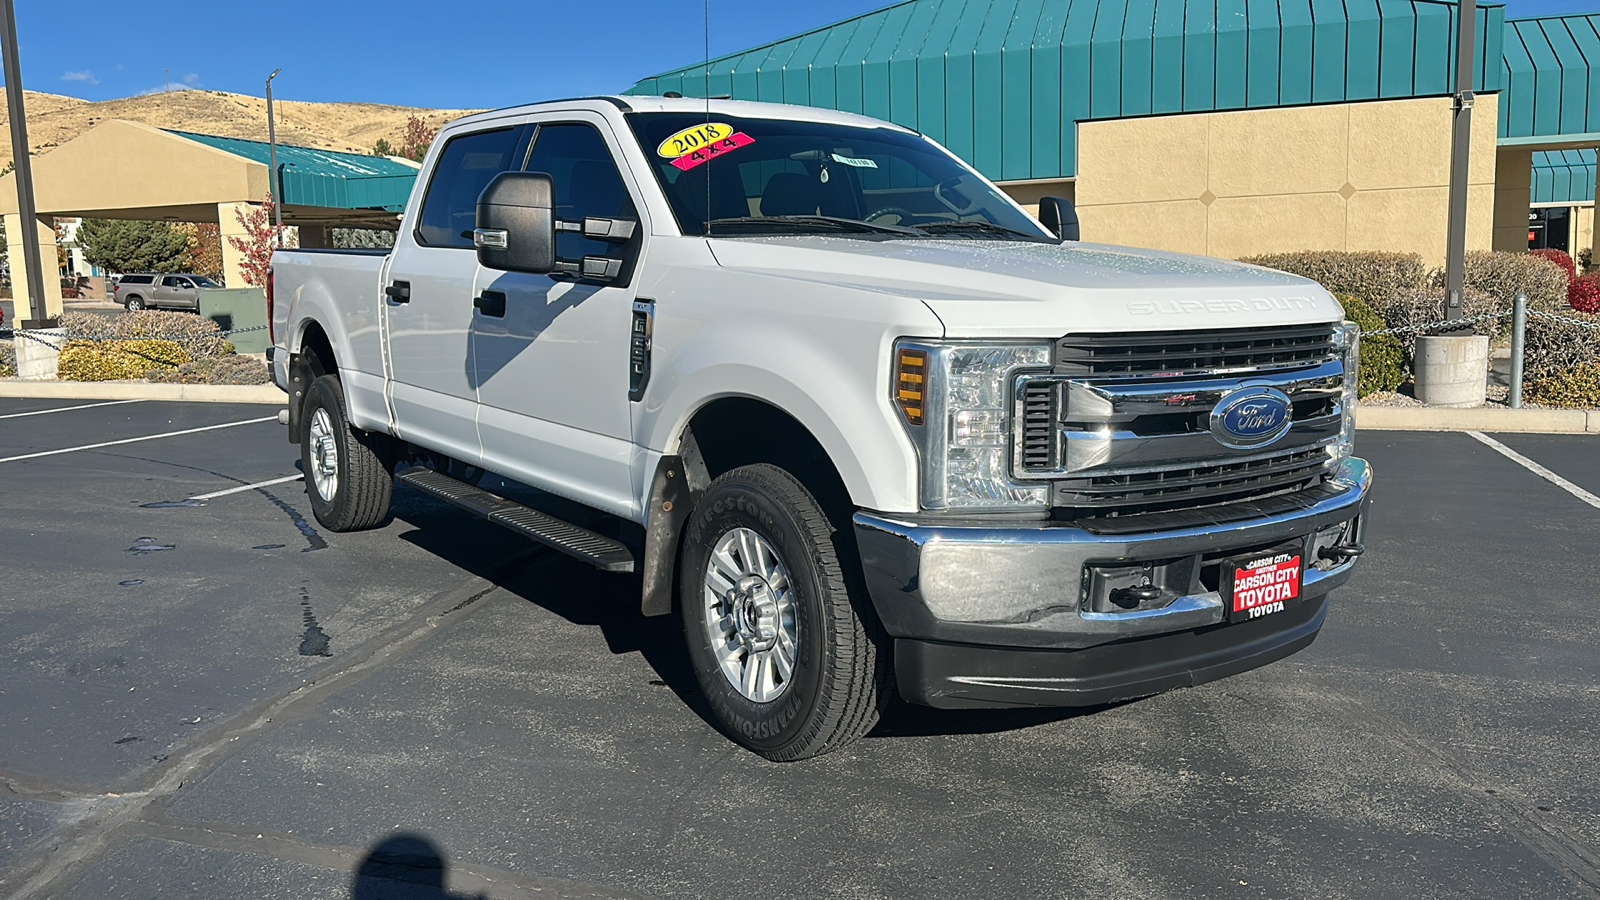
<point x="1483" y="418"/>
<point x="142" y="390"/>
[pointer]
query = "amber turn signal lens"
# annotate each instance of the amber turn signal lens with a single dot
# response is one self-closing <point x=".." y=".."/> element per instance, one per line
<point x="910" y="380"/>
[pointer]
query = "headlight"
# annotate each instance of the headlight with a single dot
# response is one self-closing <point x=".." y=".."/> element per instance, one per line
<point x="1347" y="338"/>
<point x="955" y="402"/>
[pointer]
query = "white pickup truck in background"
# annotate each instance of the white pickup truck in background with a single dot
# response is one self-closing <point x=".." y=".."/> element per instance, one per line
<point x="840" y="402"/>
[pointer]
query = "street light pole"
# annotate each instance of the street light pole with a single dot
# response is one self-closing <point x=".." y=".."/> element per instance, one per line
<point x="24" y="172"/>
<point x="1460" y="144"/>
<point x="277" y="180"/>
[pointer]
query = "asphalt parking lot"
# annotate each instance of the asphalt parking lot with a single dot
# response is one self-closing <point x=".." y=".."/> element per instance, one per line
<point x="219" y="696"/>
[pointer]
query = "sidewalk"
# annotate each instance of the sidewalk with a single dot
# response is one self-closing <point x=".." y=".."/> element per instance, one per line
<point x="142" y="390"/>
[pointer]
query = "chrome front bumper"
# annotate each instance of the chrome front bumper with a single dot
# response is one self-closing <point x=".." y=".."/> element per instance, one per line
<point x="1021" y="586"/>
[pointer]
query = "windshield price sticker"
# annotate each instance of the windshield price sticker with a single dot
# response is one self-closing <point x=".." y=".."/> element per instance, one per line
<point x="692" y="138"/>
<point x="1261" y="586"/>
<point x="860" y="163"/>
<point x="715" y="147"/>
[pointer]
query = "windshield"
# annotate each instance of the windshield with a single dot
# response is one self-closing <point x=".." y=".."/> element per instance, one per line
<point x="202" y="281"/>
<point x="741" y="176"/>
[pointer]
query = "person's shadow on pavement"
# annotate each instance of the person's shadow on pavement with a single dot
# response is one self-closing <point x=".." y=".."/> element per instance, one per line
<point x="404" y="866"/>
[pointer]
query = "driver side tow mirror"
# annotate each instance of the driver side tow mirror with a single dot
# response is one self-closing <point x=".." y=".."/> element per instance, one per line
<point x="1058" y="215"/>
<point x="517" y="229"/>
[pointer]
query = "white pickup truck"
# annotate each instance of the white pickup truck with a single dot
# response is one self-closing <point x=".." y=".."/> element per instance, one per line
<point x="864" y="422"/>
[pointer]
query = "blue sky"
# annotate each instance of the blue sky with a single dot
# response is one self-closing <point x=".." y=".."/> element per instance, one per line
<point x="435" y="54"/>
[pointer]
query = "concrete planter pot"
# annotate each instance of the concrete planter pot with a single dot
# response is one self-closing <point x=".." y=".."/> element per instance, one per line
<point x="1452" y="370"/>
<point x="37" y="353"/>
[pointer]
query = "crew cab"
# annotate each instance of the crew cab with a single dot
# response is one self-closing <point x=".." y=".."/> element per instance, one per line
<point x="862" y="421"/>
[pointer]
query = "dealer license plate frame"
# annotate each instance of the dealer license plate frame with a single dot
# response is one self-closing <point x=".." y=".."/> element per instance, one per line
<point x="1289" y="553"/>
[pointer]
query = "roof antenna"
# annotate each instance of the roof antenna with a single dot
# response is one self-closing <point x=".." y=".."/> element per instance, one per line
<point x="707" y="17"/>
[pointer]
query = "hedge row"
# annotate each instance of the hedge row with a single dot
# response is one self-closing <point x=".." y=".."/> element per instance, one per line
<point x="83" y="360"/>
<point x="1377" y="276"/>
<point x="1577" y="386"/>
<point x="1381" y="358"/>
<point x="8" y="359"/>
<point x="220" y="370"/>
<point x="200" y="337"/>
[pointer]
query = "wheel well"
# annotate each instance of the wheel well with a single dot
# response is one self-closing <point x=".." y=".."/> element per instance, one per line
<point x="317" y="351"/>
<point x="740" y="431"/>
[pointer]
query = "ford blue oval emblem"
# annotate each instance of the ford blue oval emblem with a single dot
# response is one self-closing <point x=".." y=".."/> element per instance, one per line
<point x="1251" y="417"/>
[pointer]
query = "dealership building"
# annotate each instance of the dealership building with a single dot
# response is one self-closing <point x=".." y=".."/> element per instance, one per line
<point x="1221" y="127"/>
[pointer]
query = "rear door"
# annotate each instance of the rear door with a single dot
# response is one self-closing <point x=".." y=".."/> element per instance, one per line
<point x="428" y="294"/>
<point x="551" y="352"/>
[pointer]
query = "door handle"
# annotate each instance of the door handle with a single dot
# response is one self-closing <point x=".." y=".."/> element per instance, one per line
<point x="399" y="292"/>
<point x="491" y="303"/>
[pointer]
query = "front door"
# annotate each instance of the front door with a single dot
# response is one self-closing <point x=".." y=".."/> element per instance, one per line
<point x="177" y="292"/>
<point x="428" y="296"/>
<point x="552" y="371"/>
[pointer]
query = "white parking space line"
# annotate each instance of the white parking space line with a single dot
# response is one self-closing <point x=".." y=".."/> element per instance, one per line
<point x="248" y="487"/>
<point x="148" y="437"/>
<point x="40" y="412"/>
<point x="1536" y="469"/>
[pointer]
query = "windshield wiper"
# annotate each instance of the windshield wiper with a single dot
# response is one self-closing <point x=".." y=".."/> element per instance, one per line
<point x="835" y="222"/>
<point x="980" y="227"/>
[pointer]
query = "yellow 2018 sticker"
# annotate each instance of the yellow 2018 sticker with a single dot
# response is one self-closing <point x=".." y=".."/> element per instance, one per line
<point x="693" y="138"/>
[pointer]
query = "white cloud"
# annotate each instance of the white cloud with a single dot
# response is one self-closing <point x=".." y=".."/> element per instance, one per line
<point x="83" y="75"/>
<point x="192" y="80"/>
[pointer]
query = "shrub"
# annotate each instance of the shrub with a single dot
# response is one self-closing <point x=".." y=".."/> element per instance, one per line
<point x="1424" y="306"/>
<point x="8" y="359"/>
<point x="219" y="370"/>
<point x="1502" y="275"/>
<point x="200" y="337"/>
<point x="1586" y="259"/>
<point x="1560" y="258"/>
<point x="1578" y="386"/>
<point x="1584" y="295"/>
<point x="1382" y="362"/>
<point x="83" y="360"/>
<point x="1370" y="275"/>
<point x="1558" y="342"/>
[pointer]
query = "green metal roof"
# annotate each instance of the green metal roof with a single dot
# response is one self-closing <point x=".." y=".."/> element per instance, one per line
<point x="1003" y="82"/>
<point x="1563" y="176"/>
<point x="325" y="178"/>
<point x="1552" y="77"/>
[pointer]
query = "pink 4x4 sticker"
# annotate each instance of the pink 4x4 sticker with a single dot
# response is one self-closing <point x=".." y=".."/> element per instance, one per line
<point x="695" y="145"/>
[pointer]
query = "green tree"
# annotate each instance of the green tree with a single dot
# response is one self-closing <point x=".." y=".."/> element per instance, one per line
<point x="125" y="245"/>
<point x="383" y="148"/>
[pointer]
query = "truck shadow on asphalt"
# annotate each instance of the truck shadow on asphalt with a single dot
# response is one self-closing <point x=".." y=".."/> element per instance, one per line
<point x="609" y="602"/>
<point x="405" y="865"/>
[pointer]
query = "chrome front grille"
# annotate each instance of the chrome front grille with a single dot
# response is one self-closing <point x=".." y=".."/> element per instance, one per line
<point x="1121" y="423"/>
<point x="1170" y="353"/>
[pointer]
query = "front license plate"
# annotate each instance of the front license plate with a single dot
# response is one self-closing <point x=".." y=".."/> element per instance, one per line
<point x="1262" y="583"/>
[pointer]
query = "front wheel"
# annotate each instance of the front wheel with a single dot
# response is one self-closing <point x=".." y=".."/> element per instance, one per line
<point x="347" y="470"/>
<point x="781" y="634"/>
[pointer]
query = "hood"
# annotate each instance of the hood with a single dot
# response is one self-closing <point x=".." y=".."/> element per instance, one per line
<point x="987" y="288"/>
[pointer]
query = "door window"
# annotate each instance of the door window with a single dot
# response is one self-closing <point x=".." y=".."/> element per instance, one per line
<point x="586" y="183"/>
<point x="466" y="166"/>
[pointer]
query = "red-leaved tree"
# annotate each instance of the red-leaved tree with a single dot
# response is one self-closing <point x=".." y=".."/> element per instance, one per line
<point x="261" y="238"/>
<point x="418" y="136"/>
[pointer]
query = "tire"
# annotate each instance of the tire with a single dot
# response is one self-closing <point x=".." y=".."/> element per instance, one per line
<point x="357" y="494"/>
<point x="133" y="303"/>
<point x="839" y="676"/>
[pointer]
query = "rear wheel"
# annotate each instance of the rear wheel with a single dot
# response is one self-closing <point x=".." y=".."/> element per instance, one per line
<point x="133" y="303"/>
<point x="781" y="634"/>
<point x="347" y="470"/>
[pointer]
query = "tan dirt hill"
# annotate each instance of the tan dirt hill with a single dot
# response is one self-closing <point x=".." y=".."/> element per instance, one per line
<point x="54" y="120"/>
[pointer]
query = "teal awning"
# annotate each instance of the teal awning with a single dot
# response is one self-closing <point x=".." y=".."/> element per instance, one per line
<point x="325" y="178"/>
<point x="1002" y="83"/>
<point x="1563" y="176"/>
<point x="1552" y="77"/>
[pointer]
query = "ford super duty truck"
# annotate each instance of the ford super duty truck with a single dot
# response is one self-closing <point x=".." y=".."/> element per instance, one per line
<point x="862" y="421"/>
